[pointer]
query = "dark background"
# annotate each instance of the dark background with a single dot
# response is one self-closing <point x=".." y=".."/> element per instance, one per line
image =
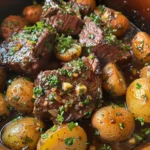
<point x="138" y="11"/>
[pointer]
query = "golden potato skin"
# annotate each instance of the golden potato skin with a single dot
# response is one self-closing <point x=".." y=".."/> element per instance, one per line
<point x="117" y="21"/>
<point x="22" y="132"/>
<point x="3" y="106"/>
<point x="145" y="72"/>
<point x="32" y="13"/>
<point x="10" y="24"/>
<point x="19" y="95"/>
<point x="113" y="81"/>
<point x="56" y="140"/>
<point x="141" y="47"/>
<point x="72" y="53"/>
<point x="91" y="3"/>
<point x="114" y="123"/>
<point x="3" y="77"/>
<point x="138" y="98"/>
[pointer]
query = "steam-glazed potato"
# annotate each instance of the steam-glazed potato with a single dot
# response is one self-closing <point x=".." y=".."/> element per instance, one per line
<point x="2" y="79"/>
<point x="10" y="24"/>
<point x="22" y="133"/>
<point x="66" y="48"/>
<point x="138" y="98"/>
<point x="91" y="3"/>
<point x="117" y="21"/>
<point x="19" y="95"/>
<point x="73" y="52"/>
<point x="32" y="13"/>
<point x="3" y="106"/>
<point x="145" y="72"/>
<point x="69" y="137"/>
<point x="114" y="123"/>
<point x="141" y="47"/>
<point x="113" y="80"/>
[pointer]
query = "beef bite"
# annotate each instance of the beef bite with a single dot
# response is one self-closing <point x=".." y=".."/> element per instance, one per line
<point x="104" y="45"/>
<point x="69" y="93"/>
<point x="65" y="17"/>
<point x="28" y="51"/>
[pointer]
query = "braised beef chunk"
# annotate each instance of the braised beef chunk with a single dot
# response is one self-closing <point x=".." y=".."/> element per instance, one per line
<point x="67" y="24"/>
<point x="69" y="93"/>
<point x="63" y="16"/>
<point x="110" y="53"/>
<point x="91" y="34"/>
<point x="29" y="50"/>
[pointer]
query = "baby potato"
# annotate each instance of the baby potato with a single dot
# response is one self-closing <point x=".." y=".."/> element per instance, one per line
<point x="114" y="123"/>
<point x="11" y="24"/>
<point x="145" y="72"/>
<point x="141" y="47"/>
<point x="113" y="81"/>
<point x="19" y="95"/>
<point x="117" y="21"/>
<point x="2" y="79"/>
<point x="62" y="137"/>
<point x="3" y="106"/>
<point x="91" y="3"/>
<point x="138" y="98"/>
<point x="21" y="133"/>
<point x="73" y="52"/>
<point x="32" y="13"/>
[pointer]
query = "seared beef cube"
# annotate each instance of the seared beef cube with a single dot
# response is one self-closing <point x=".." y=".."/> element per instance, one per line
<point x="110" y="53"/>
<point x="69" y="93"/>
<point x="91" y="34"/>
<point x="67" y="24"/>
<point x="29" y="50"/>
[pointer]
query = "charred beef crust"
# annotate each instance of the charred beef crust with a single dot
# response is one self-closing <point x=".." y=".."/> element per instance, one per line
<point x="110" y="53"/>
<point x="27" y="53"/>
<point x="91" y="34"/>
<point x="78" y="72"/>
<point x="67" y="24"/>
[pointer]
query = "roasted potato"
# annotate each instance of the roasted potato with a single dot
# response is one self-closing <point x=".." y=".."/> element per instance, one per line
<point x="91" y="3"/>
<point x="63" y="137"/>
<point x="141" y="47"/>
<point x="66" y="48"/>
<point x="138" y="98"/>
<point x="11" y="24"/>
<point x="32" y="13"/>
<point x="3" y="77"/>
<point x="118" y="22"/>
<point x="3" y="106"/>
<point x="113" y="80"/>
<point x="19" y="95"/>
<point x="114" y="123"/>
<point x="145" y="72"/>
<point x="21" y="133"/>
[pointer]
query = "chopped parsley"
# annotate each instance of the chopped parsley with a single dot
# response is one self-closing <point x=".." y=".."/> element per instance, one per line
<point x="96" y="132"/>
<point x="44" y="136"/>
<point x="71" y="125"/>
<point x="141" y="120"/>
<point x="69" y="141"/>
<point x="54" y="128"/>
<point x="121" y="125"/>
<point x="27" y="140"/>
<point x="52" y="96"/>
<point x="52" y="81"/>
<point x="38" y="91"/>
<point x="60" y="117"/>
<point x="96" y="19"/>
<point x="138" y="86"/>
<point x="63" y="43"/>
<point x="106" y="147"/>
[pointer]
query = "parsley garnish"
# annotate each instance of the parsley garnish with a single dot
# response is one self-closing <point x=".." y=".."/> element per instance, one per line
<point x="138" y="86"/>
<point x="52" y="81"/>
<point x="71" y="125"/>
<point x="141" y="120"/>
<point x="106" y="147"/>
<point x="27" y="140"/>
<point x="44" y="136"/>
<point x="121" y="126"/>
<point x="54" y="128"/>
<point x="38" y="91"/>
<point x="69" y="141"/>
